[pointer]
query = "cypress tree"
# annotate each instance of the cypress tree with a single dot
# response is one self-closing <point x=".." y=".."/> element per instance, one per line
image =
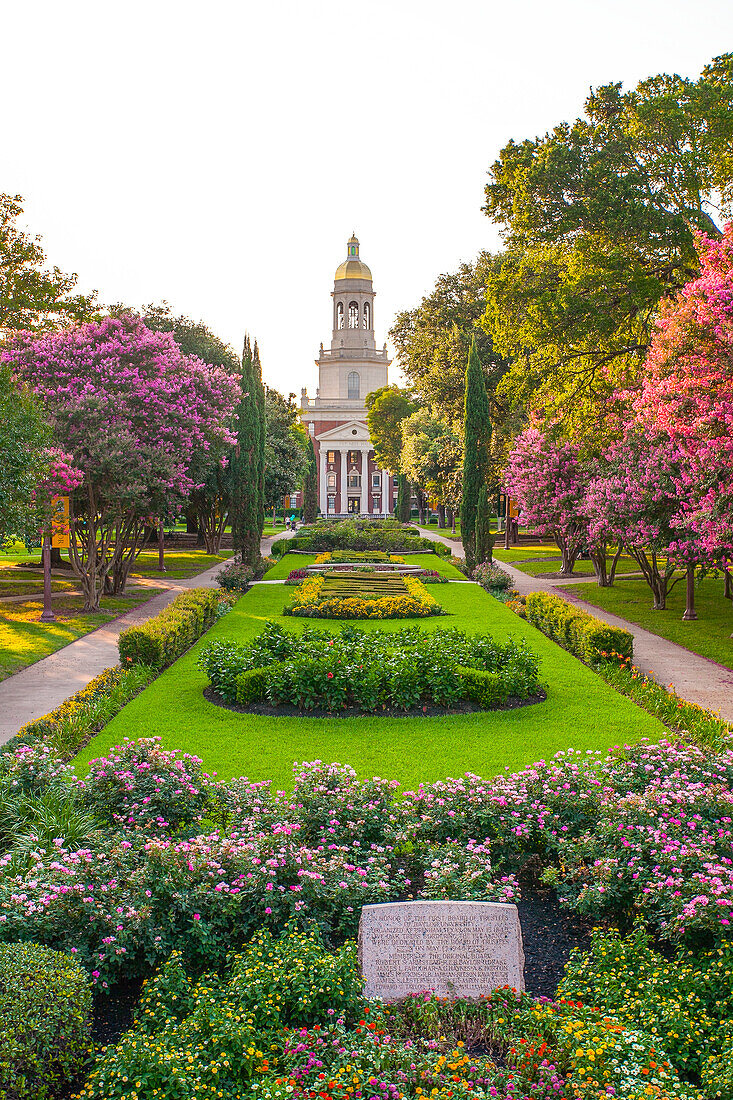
<point x="476" y="437"/>
<point x="244" y="467"/>
<point x="484" y="539"/>
<point x="403" y="508"/>
<point x="259" y="390"/>
<point x="310" y="485"/>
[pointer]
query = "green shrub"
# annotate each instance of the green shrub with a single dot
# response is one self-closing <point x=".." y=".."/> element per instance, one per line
<point x="161" y="640"/>
<point x="45" y="1021"/>
<point x="582" y="634"/>
<point x="485" y="689"/>
<point x="235" y="576"/>
<point x="252" y="685"/>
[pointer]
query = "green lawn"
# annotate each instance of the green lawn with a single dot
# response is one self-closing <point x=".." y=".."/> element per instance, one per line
<point x="709" y="635"/>
<point x="280" y="571"/>
<point x="581" y="710"/>
<point x="17" y="552"/>
<point x="24" y="640"/>
<point x="522" y="557"/>
<point x="178" y="563"/>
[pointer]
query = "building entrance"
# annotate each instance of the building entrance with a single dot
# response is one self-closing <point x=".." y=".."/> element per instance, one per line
<point x="353" y="505"/>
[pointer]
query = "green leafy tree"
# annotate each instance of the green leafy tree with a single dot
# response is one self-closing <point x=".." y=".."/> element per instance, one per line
<point x="387" y="407"/>
<point x="476" y="461"/>
<point x="245" y="465"/>
<point x="192" y="337"/>
<point x="432" y="457"/>
<point x="286" y="447"/>
<point x="262" y="423"/>
<point x="24" y="436"/>
<point x="599" y="224"/>
<point x="403" y="508"/>
<point x="33" y="297"/>
<point x="310" y="484"/>
<point x="434" y="339"/>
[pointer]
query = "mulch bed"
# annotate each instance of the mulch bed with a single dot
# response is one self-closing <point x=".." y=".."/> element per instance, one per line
<point x="427" y="711"/>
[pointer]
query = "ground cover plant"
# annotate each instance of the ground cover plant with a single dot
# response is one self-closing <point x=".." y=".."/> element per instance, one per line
<point x="371" y="670"/>
<point x="265" y="747"/>
<point x="362" y="595"/>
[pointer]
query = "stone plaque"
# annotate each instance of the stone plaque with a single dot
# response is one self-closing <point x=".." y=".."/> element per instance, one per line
<point x="453" y="948"/>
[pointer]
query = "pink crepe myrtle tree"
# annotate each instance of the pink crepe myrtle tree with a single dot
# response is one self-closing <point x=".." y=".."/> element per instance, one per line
<point x="634" y="500"/>
<point x="548" y="480"/>
<point x="687" y="393"/>
<point x="129" y="409"/>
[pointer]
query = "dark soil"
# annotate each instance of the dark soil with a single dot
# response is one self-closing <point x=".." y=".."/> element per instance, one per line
<point x="549" y="934"/>
<point x="427" y="711"/>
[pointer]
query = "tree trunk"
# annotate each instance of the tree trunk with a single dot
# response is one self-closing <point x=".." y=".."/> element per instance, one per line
<point x="507" y="525"/>
<point x="191" y="521"/>
<point x="614" y="564"/>
<point x="690" y="613"/>
<point x="599" y="558"/>
<point x="441" y="517"/>
<point x="450" y="516"/>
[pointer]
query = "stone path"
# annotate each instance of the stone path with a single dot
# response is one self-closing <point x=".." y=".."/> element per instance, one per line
<point x="36" y="690"/>
<point x="695" y="678"/>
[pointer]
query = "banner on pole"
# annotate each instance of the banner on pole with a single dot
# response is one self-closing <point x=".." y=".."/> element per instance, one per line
<point x="60" y="523"/>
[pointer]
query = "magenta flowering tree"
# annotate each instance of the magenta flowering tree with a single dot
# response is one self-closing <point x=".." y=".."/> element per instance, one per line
<point x="129" y="409"/>
<point x="688" y="394"/>
<point x="634" y="499"/>
<point x="547" y="479"/>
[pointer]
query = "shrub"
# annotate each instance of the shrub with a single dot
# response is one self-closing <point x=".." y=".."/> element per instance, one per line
<point x="235" y="576"/>
<point x="371" y="669"/>
<point x="161" y="640"/>
<point x="485" y="689"/>
<point x="589" y="638"/>
<point x="251" y="686"/>
<point x="386" y="536"/>
<point x="491" y="577"/>
<point x="45" y="1021"/>
<point x="140" y="785"/>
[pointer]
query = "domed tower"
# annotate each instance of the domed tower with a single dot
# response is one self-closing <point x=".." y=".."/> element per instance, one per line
<point x="347" y="372"/>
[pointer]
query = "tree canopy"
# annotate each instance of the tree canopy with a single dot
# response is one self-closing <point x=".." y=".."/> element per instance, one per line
<point x="599" y="219"/>
<point x="387" y="407"/>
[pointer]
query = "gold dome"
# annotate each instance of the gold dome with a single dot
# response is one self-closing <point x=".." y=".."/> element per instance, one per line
<point x="352" y="267"/>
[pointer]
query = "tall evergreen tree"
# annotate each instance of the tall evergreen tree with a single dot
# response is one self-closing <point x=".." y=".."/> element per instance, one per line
<point x="245" y="466"/>
<point x="259" y="391"/>
<point x="403" y="508"/>
<point x="477" y="438"/>
<point x="310" y="485"/>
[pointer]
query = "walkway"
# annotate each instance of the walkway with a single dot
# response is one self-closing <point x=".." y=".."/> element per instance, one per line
<point x="38" y="689"/>
<point x="695" y="678"/>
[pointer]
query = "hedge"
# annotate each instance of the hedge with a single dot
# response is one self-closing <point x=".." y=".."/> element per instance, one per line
<point x="161" y="640"/>
<point x="485" y="689"/>
<point x="45" y="1021"/>
<point x="590" y="639"/>
<point x="251" y="685"/>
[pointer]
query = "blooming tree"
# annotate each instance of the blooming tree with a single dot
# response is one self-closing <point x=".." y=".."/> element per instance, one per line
<point x="634" y="500"/>
<point x="688" y="393"/>
<point x="547" y="479"/>
<point x="129" y="408"/>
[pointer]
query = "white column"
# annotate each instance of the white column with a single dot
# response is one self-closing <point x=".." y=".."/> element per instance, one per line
<point x="386" y="479"/>
<point x="364" y="481"/>
<point x="344" y="496"/>
<point x="322" y="496"/>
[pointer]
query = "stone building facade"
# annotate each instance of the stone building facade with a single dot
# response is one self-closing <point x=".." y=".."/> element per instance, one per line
<point x="350" y="481"/>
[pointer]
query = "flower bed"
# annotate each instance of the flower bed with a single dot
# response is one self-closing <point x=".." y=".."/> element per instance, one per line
<point x="341" y="557"/>
<point x="362" y="596"/>
<point x="371" y="670"/>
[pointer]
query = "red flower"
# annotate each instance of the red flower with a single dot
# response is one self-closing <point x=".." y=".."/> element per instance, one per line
<point x="330" y="676"/>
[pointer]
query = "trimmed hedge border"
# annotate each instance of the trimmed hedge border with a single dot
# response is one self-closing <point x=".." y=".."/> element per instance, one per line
<point x="588" y="638"/>
<point x="161" y="640"/>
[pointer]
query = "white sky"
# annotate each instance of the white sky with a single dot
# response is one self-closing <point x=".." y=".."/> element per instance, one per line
<point x="218" y="154"/>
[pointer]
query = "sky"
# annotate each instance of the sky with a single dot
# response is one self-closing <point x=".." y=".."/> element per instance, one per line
<point x="217" y="154"/>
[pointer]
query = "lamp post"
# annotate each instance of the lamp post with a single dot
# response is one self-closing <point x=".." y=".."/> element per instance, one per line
<point x="47" y="615"/>
<point x="161" y="536"/>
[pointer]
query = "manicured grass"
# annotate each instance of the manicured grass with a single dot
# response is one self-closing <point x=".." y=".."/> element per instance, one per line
<point x="709" y="634"/>
<point x="551" y="560"/>
<point x="178" y="563"/>
<point x="24" y="640"/>
<point x="581" y="710"/>
<point x="22" y="587"/>
<point x="280" y="571"/>
<point x="17" y="552"/>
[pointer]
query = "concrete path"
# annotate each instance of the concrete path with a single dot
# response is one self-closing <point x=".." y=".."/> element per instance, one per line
<point x="38" y="689"/>
<point x="695" y="678"/>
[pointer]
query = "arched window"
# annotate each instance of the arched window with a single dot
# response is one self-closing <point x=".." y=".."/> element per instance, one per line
<point x="353" y="314"/>
<point x="340" y="315"/>
<point x="353" y="385"/>
<point x="330" y="481"/>
<point x="367" y="316"/>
